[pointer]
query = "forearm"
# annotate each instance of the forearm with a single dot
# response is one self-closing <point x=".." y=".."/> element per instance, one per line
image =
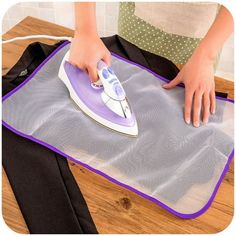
<point x="218" y="33"/>
<point x="86" y="48"/>
<point x="85" y="17"/>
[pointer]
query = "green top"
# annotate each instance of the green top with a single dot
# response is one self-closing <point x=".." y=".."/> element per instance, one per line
<point x="174" y="47"/>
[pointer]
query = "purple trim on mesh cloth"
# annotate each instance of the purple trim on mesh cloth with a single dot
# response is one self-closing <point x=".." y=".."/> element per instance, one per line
<point x="35" y="71"/>
<point x="186" y="216"/>
<point x="113" y="54"/>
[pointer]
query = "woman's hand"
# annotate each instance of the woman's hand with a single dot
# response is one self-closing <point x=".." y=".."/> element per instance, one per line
<point x="85" y="52"/>
<point x="198" y="77"/>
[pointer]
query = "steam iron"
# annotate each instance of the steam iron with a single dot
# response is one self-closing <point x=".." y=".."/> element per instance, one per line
<point x="105" y="101"/>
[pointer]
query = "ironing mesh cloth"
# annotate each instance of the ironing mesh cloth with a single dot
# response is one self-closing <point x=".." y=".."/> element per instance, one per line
<point x="50" y="201"/>
<point x="175" y="165"/>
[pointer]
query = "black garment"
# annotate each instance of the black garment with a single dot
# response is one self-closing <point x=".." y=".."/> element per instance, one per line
<point x="157" y="64"/>
<point x="45" y="189"/>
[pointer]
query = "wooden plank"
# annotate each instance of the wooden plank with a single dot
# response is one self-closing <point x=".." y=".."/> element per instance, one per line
<point x="28" y="26"/>
<point x="113" y="208"/>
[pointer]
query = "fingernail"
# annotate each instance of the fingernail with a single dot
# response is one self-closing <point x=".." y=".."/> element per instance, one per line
<point x="213" y="112"/>
<point x="196" y="124"/>
<point x="187" y="120"/>
<point x="205" y="121"/>
<point x="164" y="85"/>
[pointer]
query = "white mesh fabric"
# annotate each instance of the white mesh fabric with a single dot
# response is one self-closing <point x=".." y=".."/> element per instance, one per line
<point x="175" y="163"/>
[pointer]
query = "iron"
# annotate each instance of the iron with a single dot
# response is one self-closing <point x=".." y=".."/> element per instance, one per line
<point x="105" y="101"/>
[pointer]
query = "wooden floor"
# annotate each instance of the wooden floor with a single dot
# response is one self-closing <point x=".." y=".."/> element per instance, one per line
<point x="113" y="208"/>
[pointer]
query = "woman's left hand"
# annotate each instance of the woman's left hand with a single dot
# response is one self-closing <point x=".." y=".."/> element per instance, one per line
<point x="198" y="77"/>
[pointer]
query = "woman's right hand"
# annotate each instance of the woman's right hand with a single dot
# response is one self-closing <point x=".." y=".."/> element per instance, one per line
<point x="86" y="50"/>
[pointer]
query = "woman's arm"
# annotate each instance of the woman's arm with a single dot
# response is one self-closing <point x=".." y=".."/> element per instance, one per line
<point x="218" y="33"/>
<point x="198" y="73"/>
<point x="86" y="46"/>
<point x="85" y="17"/>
